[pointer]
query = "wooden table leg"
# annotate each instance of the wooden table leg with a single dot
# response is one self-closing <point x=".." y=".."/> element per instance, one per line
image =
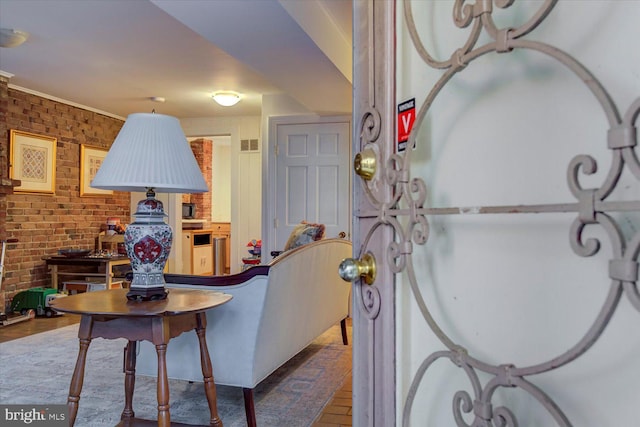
<point x="164" y="417"/>
<point x="84" y="335"/>
<point x="108" y="274"/>
<point x="54" y="277"/>
<point x="207" y="371"/>
<point x="129" y="380"/>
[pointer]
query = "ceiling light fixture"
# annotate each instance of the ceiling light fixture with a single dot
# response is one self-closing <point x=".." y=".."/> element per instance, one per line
<point x="12" y="38"/>
<point x="226" y="99"/>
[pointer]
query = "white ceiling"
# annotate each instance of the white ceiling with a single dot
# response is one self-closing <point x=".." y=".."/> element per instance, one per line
<point x="113" y="55"/>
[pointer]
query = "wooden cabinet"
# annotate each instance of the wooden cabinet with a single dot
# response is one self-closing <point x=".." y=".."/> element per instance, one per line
<point x="197" y="252"/>
<point x="223" y="229"/>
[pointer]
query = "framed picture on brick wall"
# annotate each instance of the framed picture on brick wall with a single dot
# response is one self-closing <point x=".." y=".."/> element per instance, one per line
<point x="32" y="160"/>
<point x="91" y="159"/>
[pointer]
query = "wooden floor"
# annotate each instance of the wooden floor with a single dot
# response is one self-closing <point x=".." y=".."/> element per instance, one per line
<point x="336" y="413"/>
<point x="35" y="326"/>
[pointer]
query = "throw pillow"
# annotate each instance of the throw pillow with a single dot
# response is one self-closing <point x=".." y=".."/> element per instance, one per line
<point x="304" y="233"/>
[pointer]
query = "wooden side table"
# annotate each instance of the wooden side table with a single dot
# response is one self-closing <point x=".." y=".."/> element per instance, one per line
<point x="108" y="314"/>
<point x="106" y="263"/>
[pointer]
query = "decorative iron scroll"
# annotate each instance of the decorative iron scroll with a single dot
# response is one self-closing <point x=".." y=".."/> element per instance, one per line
<point x="367" y="297"/>
<point x="591" y="208"/>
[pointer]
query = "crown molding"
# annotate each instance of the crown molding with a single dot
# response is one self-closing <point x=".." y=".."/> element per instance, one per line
<point x="64" y="101"/>
<point x="5" y="74"/>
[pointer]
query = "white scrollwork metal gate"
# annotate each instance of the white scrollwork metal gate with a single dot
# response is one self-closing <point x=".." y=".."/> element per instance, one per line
<point x="399" y="210"/>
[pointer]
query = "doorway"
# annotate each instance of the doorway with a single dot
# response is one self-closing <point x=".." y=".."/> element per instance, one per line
<point x="220" y="177"/>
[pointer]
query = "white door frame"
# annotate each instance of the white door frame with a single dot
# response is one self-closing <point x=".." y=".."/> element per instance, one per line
<point x="374" y="378"/>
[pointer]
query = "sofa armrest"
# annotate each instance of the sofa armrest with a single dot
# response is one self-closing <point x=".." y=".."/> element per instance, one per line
<point x="226" y="280"/>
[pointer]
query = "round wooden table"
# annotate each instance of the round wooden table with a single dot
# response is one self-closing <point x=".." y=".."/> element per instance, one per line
<point x="108" y="314"/>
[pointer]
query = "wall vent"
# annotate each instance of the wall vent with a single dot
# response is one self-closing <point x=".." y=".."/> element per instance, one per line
<point x="248" y="145"/>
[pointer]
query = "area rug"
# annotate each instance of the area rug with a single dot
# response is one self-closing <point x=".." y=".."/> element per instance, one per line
<point x="37" y="370"/>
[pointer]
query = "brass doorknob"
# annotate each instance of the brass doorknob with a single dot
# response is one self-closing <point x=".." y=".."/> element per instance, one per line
<point x="351" y="269"/>
<point x="365" y="164"/>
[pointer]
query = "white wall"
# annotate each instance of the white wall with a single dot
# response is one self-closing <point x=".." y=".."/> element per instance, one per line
<point x="249" y="193"/>
<point x="509" y="288"/>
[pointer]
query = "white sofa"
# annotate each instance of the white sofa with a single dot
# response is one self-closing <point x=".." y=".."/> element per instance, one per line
<point x="276" y="311"/>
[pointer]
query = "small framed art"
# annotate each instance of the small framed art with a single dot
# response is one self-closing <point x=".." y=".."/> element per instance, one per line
<point x="32" y="160"/>
<point x="91" y="159"/>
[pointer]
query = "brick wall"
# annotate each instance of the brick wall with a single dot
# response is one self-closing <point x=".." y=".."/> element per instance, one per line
<point x="6" y="186"/>
<point x="203" y="152"/>
<point x="44" y="223"/>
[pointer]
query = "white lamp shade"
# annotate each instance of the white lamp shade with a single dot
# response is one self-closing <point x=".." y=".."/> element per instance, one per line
<point x="151" y="151"/>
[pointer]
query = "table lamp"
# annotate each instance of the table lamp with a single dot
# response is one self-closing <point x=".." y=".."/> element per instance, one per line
<point x="151" y="153"/>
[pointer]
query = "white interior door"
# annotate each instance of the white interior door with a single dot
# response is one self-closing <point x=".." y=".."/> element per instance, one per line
<point x="312" y="177"/>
